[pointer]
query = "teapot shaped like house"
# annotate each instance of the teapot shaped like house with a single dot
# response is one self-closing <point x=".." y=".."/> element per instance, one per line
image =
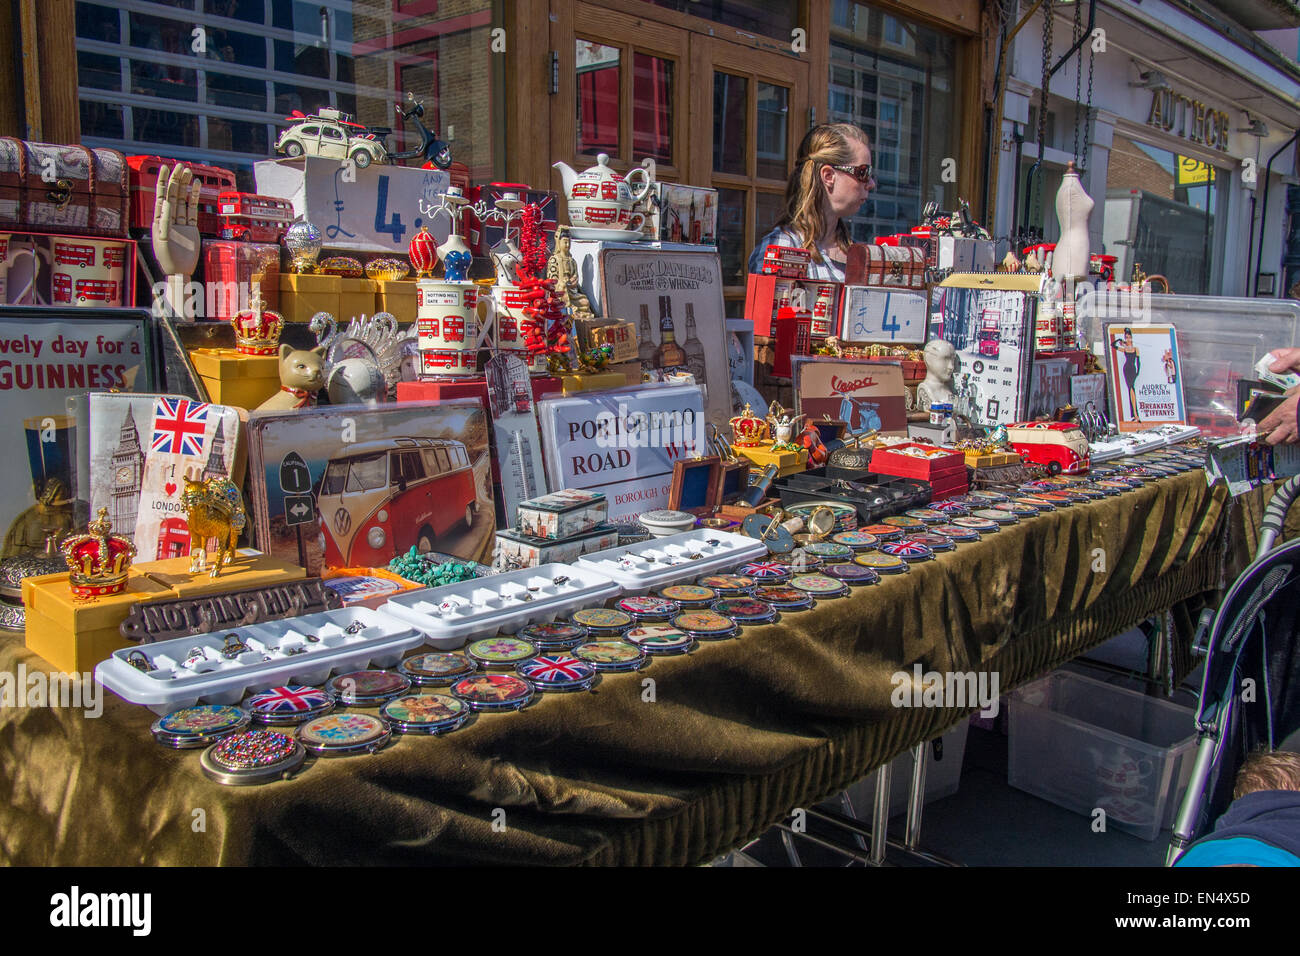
<point x="602" y="199"/>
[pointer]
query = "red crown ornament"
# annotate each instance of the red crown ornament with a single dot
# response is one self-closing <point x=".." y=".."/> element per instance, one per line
<point x="257" y="329"/>
<point x="98" y="561"/>
<point x="747" y="429"/>
<point x="423" y="252"/>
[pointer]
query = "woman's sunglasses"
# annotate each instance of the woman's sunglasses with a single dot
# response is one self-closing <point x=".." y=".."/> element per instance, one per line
<point x="861" y="173"/>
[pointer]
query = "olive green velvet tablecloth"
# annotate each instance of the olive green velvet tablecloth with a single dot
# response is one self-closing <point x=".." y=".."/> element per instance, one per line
<point x="723" y="744"/>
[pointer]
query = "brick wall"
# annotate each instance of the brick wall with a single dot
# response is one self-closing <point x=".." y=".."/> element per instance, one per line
<point x="1131" y="168"/>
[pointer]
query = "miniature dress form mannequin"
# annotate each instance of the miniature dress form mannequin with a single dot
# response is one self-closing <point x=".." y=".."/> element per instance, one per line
<point x="940" y="367"/>
<point x="1073" y="207"/>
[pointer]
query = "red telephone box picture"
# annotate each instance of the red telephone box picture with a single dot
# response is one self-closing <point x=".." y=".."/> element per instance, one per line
<point x="62" y="287"/>
<point x="173" y="538"/>
<point x="453" y="329"/>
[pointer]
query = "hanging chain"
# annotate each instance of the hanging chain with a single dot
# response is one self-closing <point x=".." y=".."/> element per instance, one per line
<point x="1075" y="33"/>
<point x="1047" y="75"/>
<point x="1087" y="115"/>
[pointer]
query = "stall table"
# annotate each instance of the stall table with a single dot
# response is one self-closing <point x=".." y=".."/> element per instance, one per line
<point x="719" y="747"/>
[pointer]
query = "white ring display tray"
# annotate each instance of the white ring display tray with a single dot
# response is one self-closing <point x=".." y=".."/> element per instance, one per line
<point x="659" y="562"/>
<point x="278" y="653"/>
<point x="451" y="614"/>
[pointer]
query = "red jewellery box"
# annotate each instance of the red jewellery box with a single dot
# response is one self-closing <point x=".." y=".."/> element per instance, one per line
<point x="901" y="267"/>
<point x="213" y="180"/>
<point x="894" y="461"/>
<point x="68" y="189"/>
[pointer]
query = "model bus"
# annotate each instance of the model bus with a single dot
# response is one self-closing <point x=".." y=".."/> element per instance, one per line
<point x="249" y="217"/>
<point x="786" y="261"/>
<point x="383" y="497"/>
<point x="213" y="180"/>
<point x="1059" y="446"/>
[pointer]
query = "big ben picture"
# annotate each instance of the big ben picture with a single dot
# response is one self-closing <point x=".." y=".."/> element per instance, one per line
<point x="127" y="467"/>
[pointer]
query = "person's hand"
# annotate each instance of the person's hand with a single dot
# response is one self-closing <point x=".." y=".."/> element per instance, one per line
<point x="1279" y="426"/>
<point x="1285" y="360"/>
<point x="176" y="242"/>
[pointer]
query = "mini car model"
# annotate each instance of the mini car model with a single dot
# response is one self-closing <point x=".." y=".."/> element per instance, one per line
<point x="1059" y="446"/>
<point x="332" y="134"/>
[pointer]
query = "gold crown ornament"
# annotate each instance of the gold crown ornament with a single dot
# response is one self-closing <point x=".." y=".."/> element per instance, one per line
<point x="98" y="561"/>
<point x="747" y="429"/>
<point x="257" y="329"/>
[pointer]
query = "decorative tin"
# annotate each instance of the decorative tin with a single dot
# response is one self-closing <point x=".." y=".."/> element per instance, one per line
<point x="648" y="608"/>
<point x="603" y="621"/>
<point x="999" y="517"/>
<point x="746" y="610"/>
<point x="846" y="516"/>
<point x="935" y="541"/>
<point x="363" y="688"/>
<point x="501" y="651"/>
<point x="974" y="523"/>
<point x="1092" y="494"/>
<point x="802" y="561"/>
<point x="493" y="692"/>
<point x="990" y="496"/>
<point x="690" y="596"/>
<point x="856" y="540"/>
<point x="1115" y="487"/>
<point x="289" y="705"/>
<point x="706" y="625"/>
<point x="884" y="532"/>
<point x="563" y="514"/>
<point x="765" y="572"/>
<point x="343" y="735"/>
<point x="616" y="656"/>
<point x="950" y="507"/>
<point x="852" y="574"/>
<point x="199" y="726"/>
<point x="729" y="585"/>
<point x="660" y="639"/>
<point x="553" y="634"/>
<point x="909" y="549"/>
<point x="903" y="522"/>
<point x="784" y="598"/>
<point x="557" y="672"/>
<point x="1015" y="508"/>
<point x="251" y="757"/>
<point x="881" y="563"/>
<point x="828" y="549"/>
<point x="1035" y="502"/>
<point x="436" y="670"/>
<point x="956" y="532"/>
<point x="928" y="515"/>
<point x="820" y="585"/>
<point x="425" y="713"/>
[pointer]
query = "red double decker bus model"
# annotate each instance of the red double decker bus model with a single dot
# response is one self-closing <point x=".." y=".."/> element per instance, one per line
<point x="786" y="261"/>
<point x="99" y="290"/>
<point x="213" y="181"/>
<point x="74" y="254"/>
<point x="249" y="217"/>
<point x="62" y="287"/>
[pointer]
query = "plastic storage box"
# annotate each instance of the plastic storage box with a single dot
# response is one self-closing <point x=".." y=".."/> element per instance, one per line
<point x="1084" y="744"/>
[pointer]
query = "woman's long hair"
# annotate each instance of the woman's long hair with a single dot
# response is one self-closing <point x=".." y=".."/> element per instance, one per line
<point x="805" y="197"/>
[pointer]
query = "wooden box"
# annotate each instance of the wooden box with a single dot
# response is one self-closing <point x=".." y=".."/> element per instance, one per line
<point x="357" y="297"/>
<point x="232" y="378"/>
<point x="245" y="570"/>
<point x="901" y="267"/>
<point x="74" y="634"/>
<point x="302" y="296"/>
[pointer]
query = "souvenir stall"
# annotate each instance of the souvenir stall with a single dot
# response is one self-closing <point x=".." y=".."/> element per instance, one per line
<point x="406" y="519"/>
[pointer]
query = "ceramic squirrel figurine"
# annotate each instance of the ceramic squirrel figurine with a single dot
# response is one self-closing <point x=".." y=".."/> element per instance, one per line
<point x="302" y="374"/>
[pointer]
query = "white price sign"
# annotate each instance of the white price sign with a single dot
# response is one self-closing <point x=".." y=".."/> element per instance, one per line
<point x="874" y="314"/>
<point x="375" y="209"/>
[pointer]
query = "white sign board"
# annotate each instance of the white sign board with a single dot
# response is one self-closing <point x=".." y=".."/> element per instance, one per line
<point x="623" y="443"/>
<point x="376" y="209"/>
<point x="875" y="314"/>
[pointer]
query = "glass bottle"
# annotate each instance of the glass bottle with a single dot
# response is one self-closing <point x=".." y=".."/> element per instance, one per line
<point x="645" y="352"/>
<point x="670" y="355"/>
<point x="693" y="347"/>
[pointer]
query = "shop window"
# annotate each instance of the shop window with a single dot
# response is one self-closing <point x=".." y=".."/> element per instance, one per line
<point x="101" y="119"/>
<point x="252" y="11"/>
<point x="99" y="72"/>
<point x="768" y="209"/>
<point x="98" y="23"/>
<point x="236" y="92"/>
<point x="239" y="137"/>
<point x="652" y="107"/>
<point x="158" y="79"/>
<point x="731" y="235"/>
<point x="306" y="99"/>
<point x="598" y="72"/>
<point x="165" y="127"/>
<point x="730" y="110"/>
<point x="773" y="124"/>
<point x="1160" y="210"/>
<point x="770" y="18"/>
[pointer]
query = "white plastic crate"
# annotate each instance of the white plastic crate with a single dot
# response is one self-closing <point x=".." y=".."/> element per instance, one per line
<point x="1084" y="744"/>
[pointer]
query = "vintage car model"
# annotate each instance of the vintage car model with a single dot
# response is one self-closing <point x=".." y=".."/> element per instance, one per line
<point x="332" y="134"/>
<point x="1059" y="446"/>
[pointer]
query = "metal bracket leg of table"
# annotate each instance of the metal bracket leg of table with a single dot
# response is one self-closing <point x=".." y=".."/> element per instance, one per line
<point x="880" y="815"/>
<point x="916" y="798"/>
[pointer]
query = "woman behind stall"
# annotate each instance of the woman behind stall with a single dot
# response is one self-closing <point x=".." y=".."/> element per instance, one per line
<point x="830" y="182"/>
